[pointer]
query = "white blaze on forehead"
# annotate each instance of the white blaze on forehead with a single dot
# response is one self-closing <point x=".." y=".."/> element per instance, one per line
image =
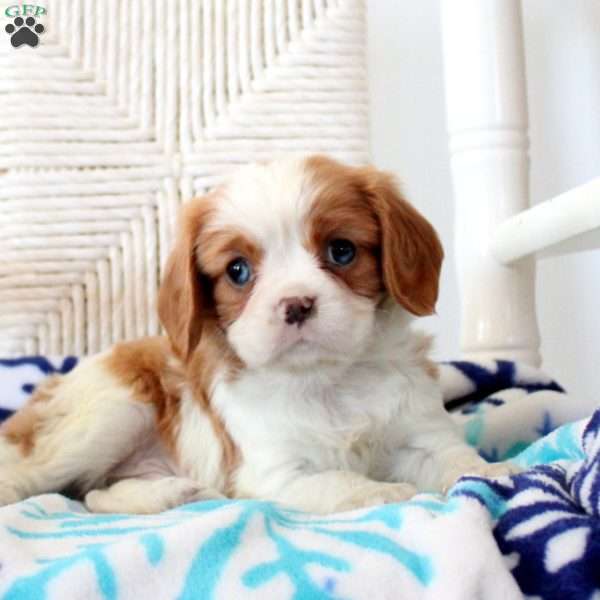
<point x="269" y="201"/>
<point x="269" y="204"/>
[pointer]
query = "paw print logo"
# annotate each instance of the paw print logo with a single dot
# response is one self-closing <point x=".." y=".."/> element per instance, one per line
<point x="24" y="32"/>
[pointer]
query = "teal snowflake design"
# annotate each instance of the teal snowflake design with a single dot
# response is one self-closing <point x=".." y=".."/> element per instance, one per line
<point x="98" y="533"/>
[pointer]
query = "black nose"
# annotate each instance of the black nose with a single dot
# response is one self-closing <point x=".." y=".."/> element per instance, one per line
<point x="297" y="309"/>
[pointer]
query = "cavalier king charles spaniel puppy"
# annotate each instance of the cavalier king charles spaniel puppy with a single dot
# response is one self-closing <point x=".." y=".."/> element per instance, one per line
<point x="289" y="370"/>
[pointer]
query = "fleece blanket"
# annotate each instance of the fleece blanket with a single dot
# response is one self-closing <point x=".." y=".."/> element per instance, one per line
<point x="535" y="534"/>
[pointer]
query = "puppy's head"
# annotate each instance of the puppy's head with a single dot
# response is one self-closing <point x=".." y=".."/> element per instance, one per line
<point x="291" y="260"/>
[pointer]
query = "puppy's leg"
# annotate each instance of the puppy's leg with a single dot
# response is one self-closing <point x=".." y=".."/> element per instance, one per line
<point x="73" y="435"/>
<point x="335" y="491"/>
<point x="434" y="456"/>
<point x="147" y="496"/>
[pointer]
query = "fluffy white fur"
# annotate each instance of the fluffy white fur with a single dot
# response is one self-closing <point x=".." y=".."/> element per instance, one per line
<point x="334" y="415"/>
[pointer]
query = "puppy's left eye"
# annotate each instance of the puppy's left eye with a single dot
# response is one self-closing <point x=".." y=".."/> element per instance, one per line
<point x="239" y="272"/>
<point x="341" y="252"/>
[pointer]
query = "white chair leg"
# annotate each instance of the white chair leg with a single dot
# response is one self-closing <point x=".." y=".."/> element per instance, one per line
<point x="487" y="123"/>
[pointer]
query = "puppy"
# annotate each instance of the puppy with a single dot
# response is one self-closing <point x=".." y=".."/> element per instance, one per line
<point x="289" y="371"/>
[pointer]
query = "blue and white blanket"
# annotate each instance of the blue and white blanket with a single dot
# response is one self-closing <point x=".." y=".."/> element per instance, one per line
<point x="535" y="534"/>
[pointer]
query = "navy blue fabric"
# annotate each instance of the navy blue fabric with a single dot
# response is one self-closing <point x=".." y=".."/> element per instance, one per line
<point x="42" y="363"/>
<point x="44" y="366"/>
<point x="567" y="499"/>
<point x="488" y="382"/>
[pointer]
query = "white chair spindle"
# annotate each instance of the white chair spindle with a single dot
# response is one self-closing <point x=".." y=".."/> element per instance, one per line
<point x="487" y="123"/>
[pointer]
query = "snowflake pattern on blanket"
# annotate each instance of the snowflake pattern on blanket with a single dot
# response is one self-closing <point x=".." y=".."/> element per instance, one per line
<point x="548" y="517"/>
<point x="536" y="533"/>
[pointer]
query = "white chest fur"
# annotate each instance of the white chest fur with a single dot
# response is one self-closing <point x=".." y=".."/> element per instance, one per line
<point x="286" y="423"/>
<point x="353" y="418"/>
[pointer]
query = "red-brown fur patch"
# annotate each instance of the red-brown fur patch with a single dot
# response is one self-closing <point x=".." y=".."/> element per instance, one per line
<point x="410" y="253"/>
<point x="156" y="377"/>
<point x="215" y="250"/>
<point x="196" y="301"/>
<point x="21" y="428"/>
<point x="339" y="210"/>
<point x="212" y="356"/>
<point x="143" y="367"/>
<point x="185" y="296"/>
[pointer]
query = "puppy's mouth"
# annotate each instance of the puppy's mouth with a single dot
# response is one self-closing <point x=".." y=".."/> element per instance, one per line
<point x="302" y="335"/>
<point x="302" y="346"/>
<point x="299" y="342"/>
<point x="301" y="354"/>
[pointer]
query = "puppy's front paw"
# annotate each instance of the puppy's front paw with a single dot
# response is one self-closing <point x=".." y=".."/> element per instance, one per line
<point x="376" y="494"/>
<point x="176" y="491"/>
<point x="480" y="469"/>
<point x="148" y="497"/>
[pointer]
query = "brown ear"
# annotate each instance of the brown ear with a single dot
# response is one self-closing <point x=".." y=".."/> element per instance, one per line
<point x="182" y="301"/>
<point x="411" y="252"/>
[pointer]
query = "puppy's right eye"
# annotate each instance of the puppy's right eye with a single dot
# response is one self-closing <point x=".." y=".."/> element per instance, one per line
<point x="239" y="272"/>
<point x="341" y="252"/>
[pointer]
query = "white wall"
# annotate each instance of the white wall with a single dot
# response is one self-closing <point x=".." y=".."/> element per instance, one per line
<point x="408" y="137"/>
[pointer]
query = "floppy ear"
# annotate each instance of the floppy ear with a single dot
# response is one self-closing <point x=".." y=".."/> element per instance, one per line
<point x="411" y="252"/>
<point x="183" y="297"/>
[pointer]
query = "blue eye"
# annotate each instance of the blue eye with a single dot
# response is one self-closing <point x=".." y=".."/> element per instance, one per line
<point x="341" y="252"/>
<point x="239" y="272"/>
